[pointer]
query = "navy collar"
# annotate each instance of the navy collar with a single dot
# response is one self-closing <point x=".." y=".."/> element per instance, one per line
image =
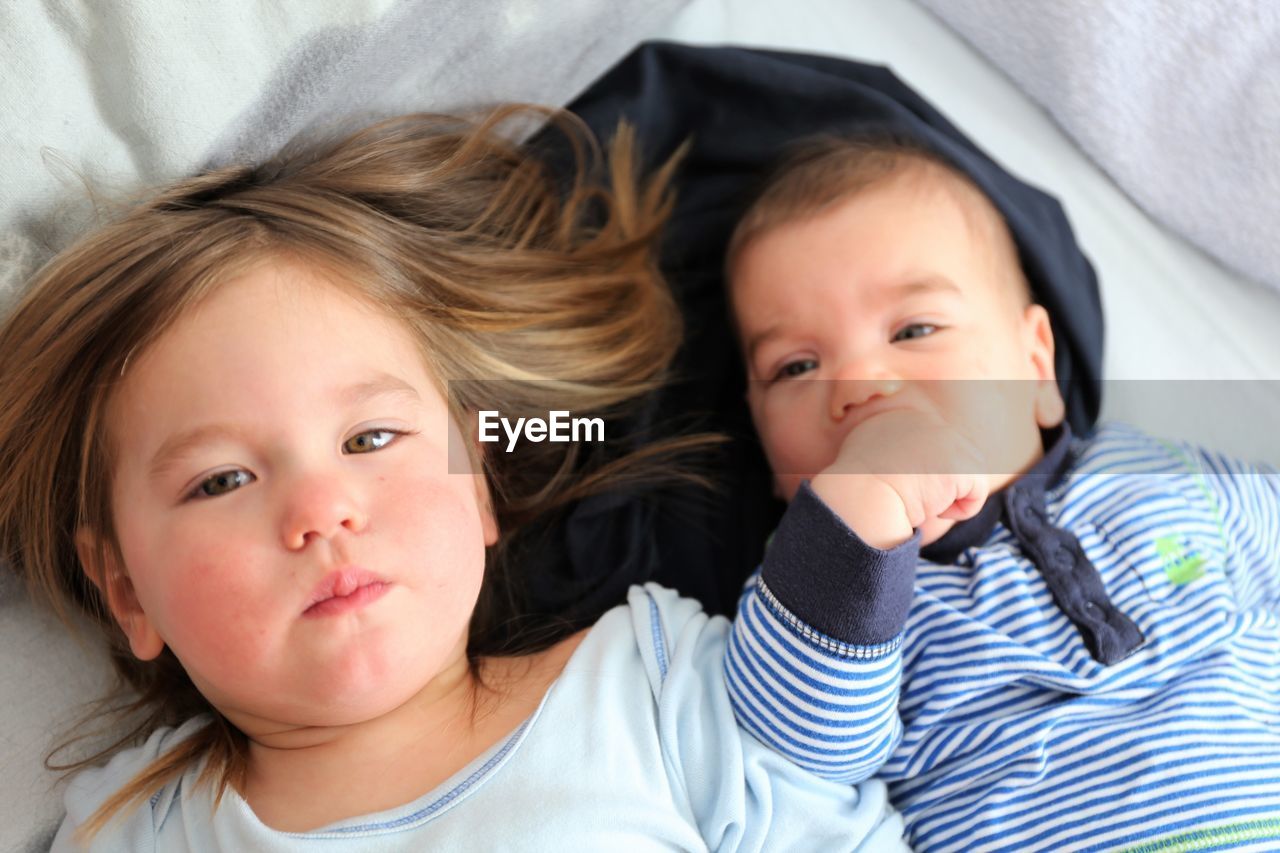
<point x="1045" y="474"/>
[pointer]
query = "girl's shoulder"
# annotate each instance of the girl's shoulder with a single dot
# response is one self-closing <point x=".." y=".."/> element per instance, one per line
<point x="523" y="681"/>
<point x="89" y="789"/>
<point x="649" y="628"/>
<point x="655" y="630"/>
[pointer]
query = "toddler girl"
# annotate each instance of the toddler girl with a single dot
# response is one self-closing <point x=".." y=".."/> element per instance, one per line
<point x="230" y="433"/>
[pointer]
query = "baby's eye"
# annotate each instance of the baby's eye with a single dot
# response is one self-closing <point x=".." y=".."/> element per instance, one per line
<point x="366" y="442"/>
<point x="222" y="483"/>
<point x="793" y="369"/>
<point x="915" y="330"/>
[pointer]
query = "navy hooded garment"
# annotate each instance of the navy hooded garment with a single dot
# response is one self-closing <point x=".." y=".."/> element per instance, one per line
<point x="740" y="109"/>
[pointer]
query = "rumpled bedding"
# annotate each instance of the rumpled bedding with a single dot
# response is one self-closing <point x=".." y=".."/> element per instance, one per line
<point x="1178" y="101"/>
<point x="134" y="93"/>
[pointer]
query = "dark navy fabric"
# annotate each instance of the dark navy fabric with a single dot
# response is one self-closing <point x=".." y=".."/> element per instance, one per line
<point x="740" y="109"/>
<point x="834" y="581"/>
<point x="1073" y="580"/>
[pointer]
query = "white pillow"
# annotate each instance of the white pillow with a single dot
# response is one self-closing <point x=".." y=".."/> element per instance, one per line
<point x="134" y="94"/>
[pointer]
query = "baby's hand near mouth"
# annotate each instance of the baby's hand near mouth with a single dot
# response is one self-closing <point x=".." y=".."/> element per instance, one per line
<point x="902" y="470"/>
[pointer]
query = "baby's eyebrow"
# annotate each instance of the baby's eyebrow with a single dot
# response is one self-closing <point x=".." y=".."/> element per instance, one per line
<point x="927" y="284"/>
<point x="180" y="445"/>
<point x="762" y="338"/>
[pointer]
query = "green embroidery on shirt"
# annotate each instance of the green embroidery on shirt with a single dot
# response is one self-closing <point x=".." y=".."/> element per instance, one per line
<point x="1264" y="829"/>
<point x="1178" y="566"/>
<point x="1194" y="468"/>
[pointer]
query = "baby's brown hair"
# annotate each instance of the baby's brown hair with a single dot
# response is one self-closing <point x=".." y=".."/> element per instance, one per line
<point x="821" y="171"/>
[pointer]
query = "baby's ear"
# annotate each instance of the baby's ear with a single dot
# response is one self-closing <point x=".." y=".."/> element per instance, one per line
<point x="1050" y="410"/>
<point x="1038" y="339"/>
<point x="103" y="571"/>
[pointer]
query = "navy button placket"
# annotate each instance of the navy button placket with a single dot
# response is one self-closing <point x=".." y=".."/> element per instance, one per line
<point x="1072" y="579"/>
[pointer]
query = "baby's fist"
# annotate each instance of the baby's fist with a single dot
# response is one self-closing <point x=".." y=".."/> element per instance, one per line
<point x="900" y="470"/>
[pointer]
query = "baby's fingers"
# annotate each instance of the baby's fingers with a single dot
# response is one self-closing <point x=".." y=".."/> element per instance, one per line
<point x="968" y="503"/>
<point x="962" y="509"/>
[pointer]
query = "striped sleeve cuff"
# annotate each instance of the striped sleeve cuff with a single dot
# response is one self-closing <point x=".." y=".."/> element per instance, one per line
<point x="828" y="707"/>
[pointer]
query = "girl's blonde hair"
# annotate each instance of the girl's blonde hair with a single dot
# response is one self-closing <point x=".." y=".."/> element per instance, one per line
<point x="506" y="270"/>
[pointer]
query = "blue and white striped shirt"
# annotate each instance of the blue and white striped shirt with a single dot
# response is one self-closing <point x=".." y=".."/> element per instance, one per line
<point x="995" y="726"/>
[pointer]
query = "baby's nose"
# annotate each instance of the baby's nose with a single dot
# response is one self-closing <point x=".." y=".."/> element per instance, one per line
<point x="849" y="394"/>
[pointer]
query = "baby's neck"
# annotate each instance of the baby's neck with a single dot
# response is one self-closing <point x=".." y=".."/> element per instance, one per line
<point x="309" y="778"/>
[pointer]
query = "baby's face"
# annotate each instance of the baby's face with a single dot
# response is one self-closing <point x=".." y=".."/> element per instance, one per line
<point x="892" y="299"/>
<point x="280" y="436"/>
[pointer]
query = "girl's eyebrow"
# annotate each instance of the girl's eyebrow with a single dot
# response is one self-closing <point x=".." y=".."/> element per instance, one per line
<point x="383" y="384"/>
<point x="183" y="443"/>
<point x="178" y="446"/>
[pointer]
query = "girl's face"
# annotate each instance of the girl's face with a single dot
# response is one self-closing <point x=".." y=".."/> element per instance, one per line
<point x="281" y="444"/>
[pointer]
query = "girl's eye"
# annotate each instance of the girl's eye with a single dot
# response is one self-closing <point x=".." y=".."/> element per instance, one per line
<point x="221" y="484"/>
<point x="793" y="369"/>
<point x="915" y="330"/>
<point x="367" y="442"/>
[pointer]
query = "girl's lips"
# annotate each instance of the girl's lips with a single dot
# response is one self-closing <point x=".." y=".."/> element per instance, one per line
<point x="343" y="590"/>
<point x="345" y="603"/>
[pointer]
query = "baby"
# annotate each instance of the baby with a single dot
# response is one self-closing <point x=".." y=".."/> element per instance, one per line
<point x="231" y="433"/>
<point x="1081" y="631"/>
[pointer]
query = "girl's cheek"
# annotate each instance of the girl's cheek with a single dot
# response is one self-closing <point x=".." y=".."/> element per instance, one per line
<point x="415" y="499"/>
<point x="211" y="570"/>
<point x="222" y="618"/>
<point x="217" y="587"/>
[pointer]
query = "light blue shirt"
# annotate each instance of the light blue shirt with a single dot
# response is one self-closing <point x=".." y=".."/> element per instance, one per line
<point x="634" y="747"/>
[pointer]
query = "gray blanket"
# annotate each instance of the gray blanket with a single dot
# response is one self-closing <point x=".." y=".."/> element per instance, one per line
<point x="136" y="92"/>
<point x="1178" y="100"/>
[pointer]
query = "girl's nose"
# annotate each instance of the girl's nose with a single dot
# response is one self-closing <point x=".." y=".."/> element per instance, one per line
<point x="321" y="508"/>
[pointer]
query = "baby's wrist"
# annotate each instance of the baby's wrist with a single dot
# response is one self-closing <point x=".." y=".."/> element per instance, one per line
<point x="871" y="507"/>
